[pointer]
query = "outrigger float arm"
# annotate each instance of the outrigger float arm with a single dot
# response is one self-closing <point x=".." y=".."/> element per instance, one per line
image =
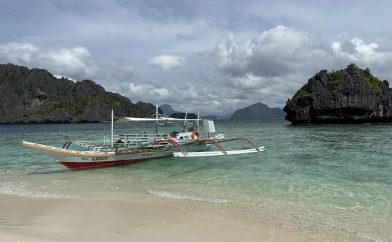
<point x="176" y="144"/>
<point x="222" y="151"/>
<point x="253" y="144"/>
<point x="216" y="143"/>
<point x="219" y="153"/>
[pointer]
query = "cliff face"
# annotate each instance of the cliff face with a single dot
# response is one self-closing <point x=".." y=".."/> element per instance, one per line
<point x="257" y="111"/>
<point x="351" y="95"/>
<point x="36" y="96"/>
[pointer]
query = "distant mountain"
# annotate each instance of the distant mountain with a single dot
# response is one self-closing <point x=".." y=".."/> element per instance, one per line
<point x="167" y="109"/>
<point x="169" y="112"/>
<point x="182" y="115"/>
<point x="36" y="96"/>
<point x="216" y="116"/>
<point x="258" y="111"/>
<point x="211" y="117"/>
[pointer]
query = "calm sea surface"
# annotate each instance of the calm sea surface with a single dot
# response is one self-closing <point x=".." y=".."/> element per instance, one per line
<point x="339" y="175"/>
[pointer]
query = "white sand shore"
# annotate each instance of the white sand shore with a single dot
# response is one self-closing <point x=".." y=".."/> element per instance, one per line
<point x="144" y="218"/>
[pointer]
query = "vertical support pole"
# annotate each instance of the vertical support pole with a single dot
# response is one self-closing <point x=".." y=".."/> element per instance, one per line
<point x="186" y="115"/>
<point x="111" y="136"/>
<point x="197" y="122"/>
<point x="156" y="119"/>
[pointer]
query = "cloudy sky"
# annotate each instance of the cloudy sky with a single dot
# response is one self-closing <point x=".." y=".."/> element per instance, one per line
<point x="207" y="56"/>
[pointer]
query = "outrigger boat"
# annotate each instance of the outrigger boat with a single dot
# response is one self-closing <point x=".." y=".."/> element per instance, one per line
<point x="131" y="148"/>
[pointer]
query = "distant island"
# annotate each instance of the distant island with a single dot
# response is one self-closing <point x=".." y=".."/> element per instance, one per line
<point x="257" y="112"/>
<point x="352" y="95"/>
<point x="36" y="96"/>
<point x="167" y="110"/>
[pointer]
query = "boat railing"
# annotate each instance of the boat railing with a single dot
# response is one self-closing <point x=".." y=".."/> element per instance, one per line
<point x="92" y="145"/>
<point x="123" y="140"/>
<point x="137" y="139"/>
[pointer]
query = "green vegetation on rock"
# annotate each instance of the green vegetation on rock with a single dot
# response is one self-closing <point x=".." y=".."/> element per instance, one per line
<point x="59" y="106"/>
<point x="18" y="91"/>
<point x="7" y="77"/>
<point x="335" y="79"/>
<point x="303" y="98"/>
<point x="25" y="72"/>
<point x="373" y="81"/>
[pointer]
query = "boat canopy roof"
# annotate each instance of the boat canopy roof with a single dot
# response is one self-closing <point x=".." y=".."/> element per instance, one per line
<point x="168" y="119"/>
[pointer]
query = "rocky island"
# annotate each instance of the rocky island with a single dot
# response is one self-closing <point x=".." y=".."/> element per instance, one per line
<point x="166" y="109"/>
<point x="352" y="95"/>
<point x="36" y="96"/>
<point x="257" y="112"/>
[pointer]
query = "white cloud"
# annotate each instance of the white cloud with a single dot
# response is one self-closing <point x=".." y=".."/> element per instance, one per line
<point x="187" y="98"/>
<point x="336" y="47"/>
<point x="272" y="67"/>
<point x="18" y="52"/>
<point x="248" y="81"/>
<point x="364" y="49"/>
<point x="167" y="62"/>
<point x="147" y="90"/>
<point x="274" y="64"/>
<point x="277" y="51"/>
<point x="76" y="63"/>
<point x="365" y="55"/>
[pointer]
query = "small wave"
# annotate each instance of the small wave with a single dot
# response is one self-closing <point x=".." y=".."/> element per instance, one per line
<point x="180" y="196"/>
<point x="21" y="189"/>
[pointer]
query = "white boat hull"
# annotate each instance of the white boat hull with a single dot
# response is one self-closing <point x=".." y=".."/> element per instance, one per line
<point x="81" y="160"/>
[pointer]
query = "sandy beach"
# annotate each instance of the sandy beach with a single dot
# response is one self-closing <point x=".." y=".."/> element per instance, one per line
<point x="37" y="219"/>
<point x="143" y="218"/>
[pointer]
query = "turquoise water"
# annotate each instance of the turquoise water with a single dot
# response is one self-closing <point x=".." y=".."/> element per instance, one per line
<point x="339" y="175"/>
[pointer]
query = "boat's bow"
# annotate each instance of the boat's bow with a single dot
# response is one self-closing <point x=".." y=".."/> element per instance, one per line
<point x="52" y="151"/>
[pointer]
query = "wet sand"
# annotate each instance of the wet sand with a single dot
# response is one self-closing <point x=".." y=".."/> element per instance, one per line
<point x="140" y="218"/>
